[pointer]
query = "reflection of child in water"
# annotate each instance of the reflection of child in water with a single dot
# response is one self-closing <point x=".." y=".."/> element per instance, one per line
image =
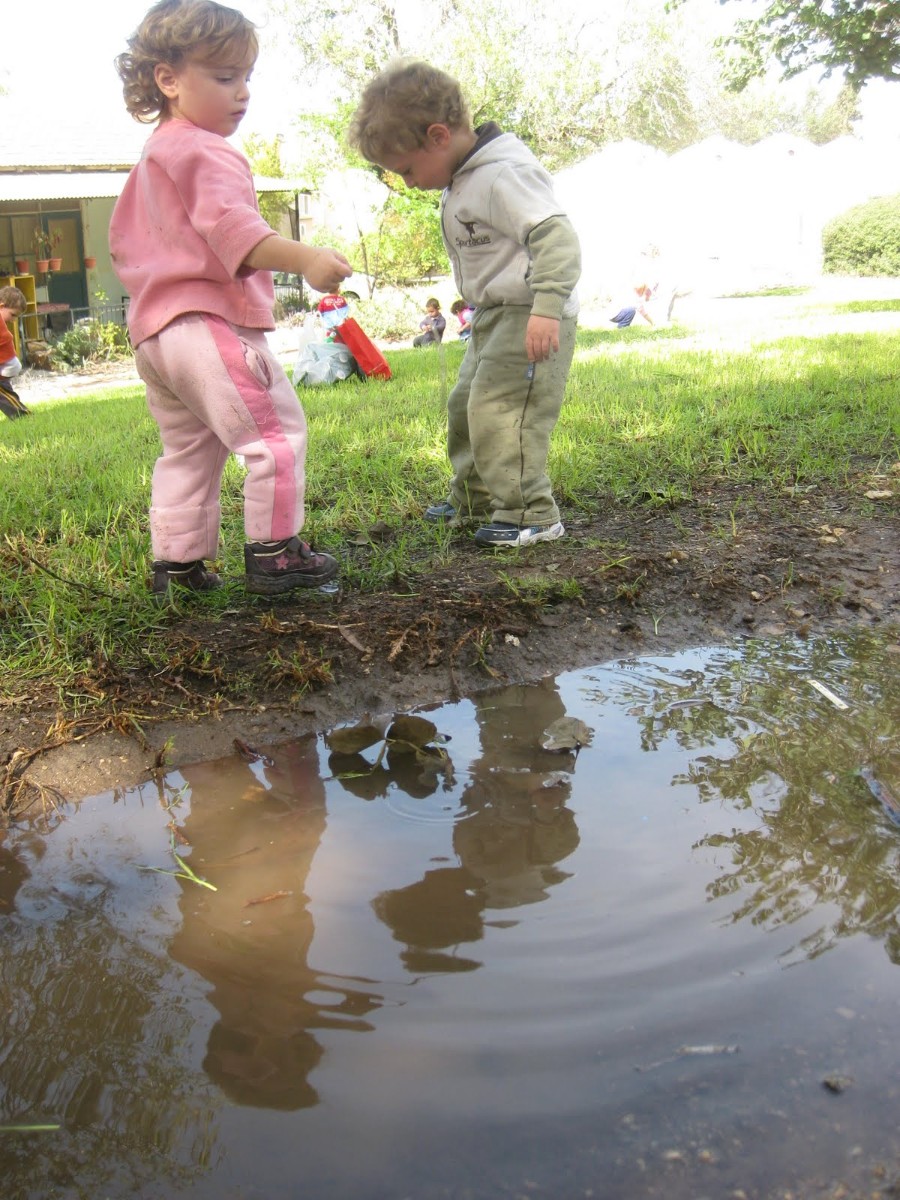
<point x="516" y="830"/>
<point x="519" y="827"/>
<point x="254" y="833"/>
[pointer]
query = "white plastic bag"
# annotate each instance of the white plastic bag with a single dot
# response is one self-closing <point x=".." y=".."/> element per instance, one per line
<point x="323" y="362"/>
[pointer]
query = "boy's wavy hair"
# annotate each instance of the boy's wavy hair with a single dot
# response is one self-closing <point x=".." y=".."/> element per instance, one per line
<point x="398" y="106"/>
<point x="174" y="32"/>
<point x="11" y="297"/>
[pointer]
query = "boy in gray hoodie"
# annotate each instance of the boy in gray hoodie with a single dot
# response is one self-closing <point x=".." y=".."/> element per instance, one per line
<point x="516" y="258"/>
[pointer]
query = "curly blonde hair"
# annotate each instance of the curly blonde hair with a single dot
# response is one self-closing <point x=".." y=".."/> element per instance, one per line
<point x="400" y="104"/>
<point x="178" y="31"/>
<point x="11" y="297"/>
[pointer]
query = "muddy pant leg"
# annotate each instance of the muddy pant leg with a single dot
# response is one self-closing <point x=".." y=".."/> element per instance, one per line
<point x="273" y="444"/>
<point x="214" y="388"/>
<point x="184" y="506"/>
<point x="468" y="493"/>
<point x="512" y="413"/>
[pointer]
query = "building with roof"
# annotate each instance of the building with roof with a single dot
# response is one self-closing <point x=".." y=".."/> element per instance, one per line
<point x="60" y="182"/>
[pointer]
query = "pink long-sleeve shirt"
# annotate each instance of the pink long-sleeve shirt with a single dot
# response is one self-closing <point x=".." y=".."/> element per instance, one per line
<point x="183" y="225"/>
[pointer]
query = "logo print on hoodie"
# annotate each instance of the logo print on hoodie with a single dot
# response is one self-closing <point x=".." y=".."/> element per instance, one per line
<point x="472" y="239"/>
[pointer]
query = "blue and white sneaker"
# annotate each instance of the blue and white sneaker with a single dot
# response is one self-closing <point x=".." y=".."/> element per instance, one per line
<point x="447" y="513"/>
<point x="500" y="534"/>
<point x="439" y="513"/>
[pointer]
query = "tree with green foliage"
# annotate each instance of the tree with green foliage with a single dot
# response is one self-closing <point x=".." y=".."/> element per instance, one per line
<point x="567" y="81"/>
<point x="265" y="159"/>
<point x="859" y="37"/>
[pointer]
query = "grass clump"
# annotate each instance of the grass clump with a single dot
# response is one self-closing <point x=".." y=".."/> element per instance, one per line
<point x="867" y="306"/>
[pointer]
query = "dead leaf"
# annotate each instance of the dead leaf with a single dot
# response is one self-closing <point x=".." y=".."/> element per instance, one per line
<point x="415" y="731"/>
<point x="353" y="640"/>
<point x="568" y="733"/>
<point x="354" y="738"/>
<point x="879" y="494"/>
<point x="246" y="751"/>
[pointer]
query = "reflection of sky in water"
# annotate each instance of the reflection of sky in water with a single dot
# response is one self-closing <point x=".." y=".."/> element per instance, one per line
<point x="522" y="967"/>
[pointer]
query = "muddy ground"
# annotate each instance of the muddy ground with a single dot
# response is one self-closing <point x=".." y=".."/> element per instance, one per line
<point x="651" y="582"/>
<point x="730" y="563"/>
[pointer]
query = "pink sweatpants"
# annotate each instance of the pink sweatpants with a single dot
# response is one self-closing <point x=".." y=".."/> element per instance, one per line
<point x="213" y="389"/>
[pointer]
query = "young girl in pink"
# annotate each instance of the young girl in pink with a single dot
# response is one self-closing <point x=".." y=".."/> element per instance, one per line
<point x="196" y="259"/>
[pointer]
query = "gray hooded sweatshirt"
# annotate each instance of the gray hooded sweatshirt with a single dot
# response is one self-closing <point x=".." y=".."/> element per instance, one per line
<point x="509" y="241"/>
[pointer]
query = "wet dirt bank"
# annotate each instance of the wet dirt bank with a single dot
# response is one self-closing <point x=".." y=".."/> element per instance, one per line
<point x="729" y="564"/>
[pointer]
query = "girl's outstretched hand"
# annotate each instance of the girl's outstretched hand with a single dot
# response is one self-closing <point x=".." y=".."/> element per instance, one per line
<point x="326" y="270"/>
<point x="322" y="268"/>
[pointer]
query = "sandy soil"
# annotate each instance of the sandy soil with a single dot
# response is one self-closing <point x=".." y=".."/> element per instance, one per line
<point x="731" y="563"/>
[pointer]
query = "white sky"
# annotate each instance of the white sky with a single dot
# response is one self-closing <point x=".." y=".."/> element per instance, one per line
<point x="73" y="69"/>
<point x="74" y="66"/>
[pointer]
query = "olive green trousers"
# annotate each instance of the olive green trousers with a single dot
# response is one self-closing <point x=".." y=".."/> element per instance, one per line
<point x="501" y="414"/>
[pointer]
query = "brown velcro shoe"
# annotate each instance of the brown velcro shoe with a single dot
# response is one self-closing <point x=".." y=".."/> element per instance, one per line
<point x="285" y="565"/>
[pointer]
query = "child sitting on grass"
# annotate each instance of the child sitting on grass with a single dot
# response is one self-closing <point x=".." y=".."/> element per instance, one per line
<point x="432" y="324"/>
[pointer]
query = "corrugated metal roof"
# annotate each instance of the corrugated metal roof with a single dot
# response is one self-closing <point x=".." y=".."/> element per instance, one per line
<point x="69" y="140"/>
<point x="91" y="185"/>
<point x="62" y="185"/>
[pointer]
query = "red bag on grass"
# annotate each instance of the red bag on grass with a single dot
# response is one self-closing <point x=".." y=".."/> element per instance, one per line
<point x="369" y="358"/>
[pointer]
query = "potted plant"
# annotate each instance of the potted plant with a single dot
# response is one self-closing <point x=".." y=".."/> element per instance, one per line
<point x="90" y="260"/>
<point x="21" y="266"/>
<point x="55" y="237"/>
<point x="42" y="247"/>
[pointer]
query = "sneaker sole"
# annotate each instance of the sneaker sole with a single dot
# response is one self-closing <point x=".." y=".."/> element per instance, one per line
<point x="277" y="585"/>
<point x="550" y="534"/>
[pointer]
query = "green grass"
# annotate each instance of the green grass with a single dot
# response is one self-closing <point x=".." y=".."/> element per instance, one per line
<point x="770" y="291"/>
<point x="867" y="306"/>
<point x="647" y="421"/>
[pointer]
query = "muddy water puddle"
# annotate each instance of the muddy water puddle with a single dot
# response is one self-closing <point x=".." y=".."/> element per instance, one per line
<point x="660" y="959"/>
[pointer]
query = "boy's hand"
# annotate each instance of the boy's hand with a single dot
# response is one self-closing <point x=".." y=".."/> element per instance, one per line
<point x="541" y="338"/>
<point x="326" y="270"/>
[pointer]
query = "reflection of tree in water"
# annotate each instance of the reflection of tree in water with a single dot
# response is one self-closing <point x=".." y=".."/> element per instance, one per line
<point x="93" y="1038"/>
<point x="254" y="830"/>
<point x="515" y="829"/>
<point x="794" y="760"/>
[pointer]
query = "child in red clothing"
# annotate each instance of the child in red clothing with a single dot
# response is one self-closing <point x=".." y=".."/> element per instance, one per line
<point x="12" y="304"/>
<point x="196" y="257"/>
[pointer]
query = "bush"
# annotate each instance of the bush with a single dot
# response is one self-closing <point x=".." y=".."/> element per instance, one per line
<point x="91" y="341"/>
<point x="390" y="316"/>
<point x="865" y="240"/>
